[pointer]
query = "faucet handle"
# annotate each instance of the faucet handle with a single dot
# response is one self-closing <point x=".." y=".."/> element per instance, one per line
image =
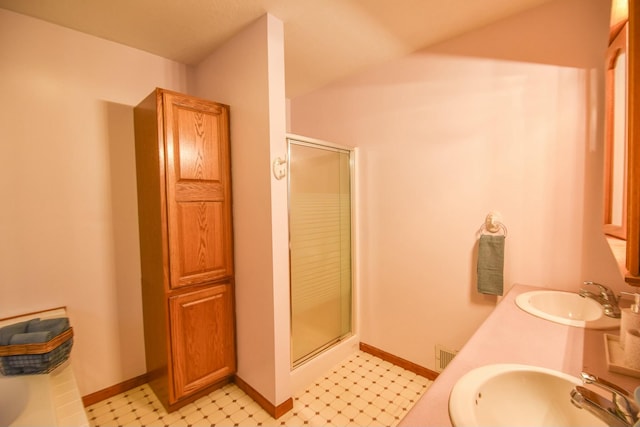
<point x="581" y="395"/>
<point x="588" y="378"/>
<point x="607" y="411"/>
<point x="621" y="398"/>
<point x="604" y="291"/>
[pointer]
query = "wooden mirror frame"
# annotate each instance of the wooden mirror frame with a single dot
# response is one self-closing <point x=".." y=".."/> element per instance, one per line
<point x="632" y="264"/>
<point x="615" y="163"/>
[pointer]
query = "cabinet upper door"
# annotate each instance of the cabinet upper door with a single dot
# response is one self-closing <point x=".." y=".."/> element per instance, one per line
<point x="198" y="190"/>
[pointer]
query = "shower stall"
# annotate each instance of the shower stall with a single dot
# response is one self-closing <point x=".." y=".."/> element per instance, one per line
<point x="320" y="228"/>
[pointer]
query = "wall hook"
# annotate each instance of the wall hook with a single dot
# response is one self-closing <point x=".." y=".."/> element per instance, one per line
<point x="492" y="224"/>
<point x="279" y="168"/>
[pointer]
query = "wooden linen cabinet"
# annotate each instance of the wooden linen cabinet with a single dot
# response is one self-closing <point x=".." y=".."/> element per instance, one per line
<point x="186" y="244"/>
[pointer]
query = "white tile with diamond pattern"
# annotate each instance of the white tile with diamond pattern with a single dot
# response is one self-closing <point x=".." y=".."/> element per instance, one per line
<point x="361" y="391"/>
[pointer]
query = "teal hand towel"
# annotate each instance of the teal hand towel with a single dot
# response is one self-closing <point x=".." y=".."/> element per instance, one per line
<point x="490" y="264"/>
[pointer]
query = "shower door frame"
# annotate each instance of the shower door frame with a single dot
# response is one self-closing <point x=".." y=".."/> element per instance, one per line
<point x="320" y="144"/>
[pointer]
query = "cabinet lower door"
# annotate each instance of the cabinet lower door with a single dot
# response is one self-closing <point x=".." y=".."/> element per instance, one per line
<point x="202" y="338"/>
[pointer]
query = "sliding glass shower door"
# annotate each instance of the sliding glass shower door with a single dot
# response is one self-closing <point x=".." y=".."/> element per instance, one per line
<point x="320" y="247"/>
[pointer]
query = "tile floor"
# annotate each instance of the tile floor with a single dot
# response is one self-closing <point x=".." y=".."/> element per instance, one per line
<point x="362" y="391"/>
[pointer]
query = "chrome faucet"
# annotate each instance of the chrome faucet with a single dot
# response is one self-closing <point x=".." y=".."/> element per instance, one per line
<point x="605" y="297"/>
<point x="620" y="411"/>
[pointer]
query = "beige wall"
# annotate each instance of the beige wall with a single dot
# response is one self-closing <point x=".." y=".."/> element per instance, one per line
<point x="248" y="74"/>
<point x="504" y="119"/>
<point x="68" y="222"/>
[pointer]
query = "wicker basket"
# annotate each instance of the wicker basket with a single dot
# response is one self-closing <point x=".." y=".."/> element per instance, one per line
<point x="41" y="358"/>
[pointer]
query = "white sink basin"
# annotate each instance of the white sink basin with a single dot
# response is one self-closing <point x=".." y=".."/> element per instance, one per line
<point x="516" y="395"/>
<point x="567" y="308"/>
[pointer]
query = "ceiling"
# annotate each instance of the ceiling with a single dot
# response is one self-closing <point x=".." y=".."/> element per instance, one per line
<point x="324" y="39"/>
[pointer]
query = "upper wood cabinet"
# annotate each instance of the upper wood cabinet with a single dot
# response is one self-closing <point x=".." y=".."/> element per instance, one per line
<point x="633" y="147"/>
<point x="626" y="245"/>
<point x="186" y="244"/>
<point x="198" y="190"/>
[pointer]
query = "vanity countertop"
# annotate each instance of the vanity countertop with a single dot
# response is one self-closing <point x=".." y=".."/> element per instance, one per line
<point x="510" y="335"/>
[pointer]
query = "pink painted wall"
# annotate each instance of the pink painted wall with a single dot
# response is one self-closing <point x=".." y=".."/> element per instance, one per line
<point x="507" y="118"/>
<point x="248" y="74"/>
<point x="446" y="135"/>
<point x="68" y="223"/>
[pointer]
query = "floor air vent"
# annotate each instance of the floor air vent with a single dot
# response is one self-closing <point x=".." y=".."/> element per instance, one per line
<point x="443" y="357"/>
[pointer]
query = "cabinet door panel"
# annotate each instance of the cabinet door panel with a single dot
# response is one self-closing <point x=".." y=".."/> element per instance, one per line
<point x="198" y="151"/>
<point x="200" y="226"/>
<point x="198" y="190"/>
<point x="201" y="338"/>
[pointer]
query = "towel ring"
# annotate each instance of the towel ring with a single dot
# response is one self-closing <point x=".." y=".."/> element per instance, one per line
<point x="492" y="225"/>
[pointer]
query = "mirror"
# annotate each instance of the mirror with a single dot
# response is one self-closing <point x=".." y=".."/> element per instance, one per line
<point x="615" y="171"/>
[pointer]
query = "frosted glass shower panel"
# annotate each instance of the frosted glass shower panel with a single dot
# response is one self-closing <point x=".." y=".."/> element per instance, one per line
<point x="320" y="233"/>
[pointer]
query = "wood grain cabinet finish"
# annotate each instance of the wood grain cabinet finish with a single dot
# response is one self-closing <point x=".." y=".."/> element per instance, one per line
<point x="186" y="244"/>
<point x="202" y="334"/>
